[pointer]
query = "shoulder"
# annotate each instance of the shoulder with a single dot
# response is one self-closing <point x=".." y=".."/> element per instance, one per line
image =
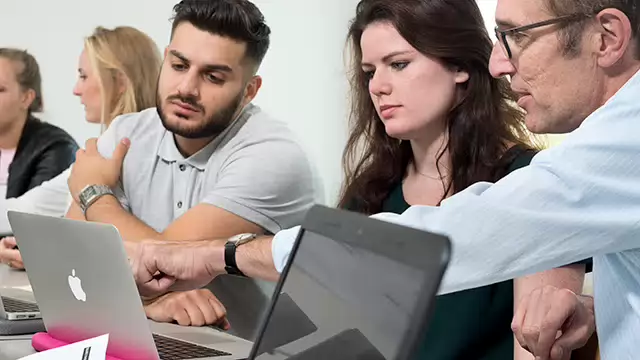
<point x="264" y="136"/>
<point x="46" y="133"/>
<point x="142" y="128"/>
<point x="518" y="157"/>
<point x="137" y="125"/>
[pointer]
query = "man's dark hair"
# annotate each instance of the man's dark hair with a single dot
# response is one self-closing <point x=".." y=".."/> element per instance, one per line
<point x="572" y="34"/>
<point x="240" y="20"/>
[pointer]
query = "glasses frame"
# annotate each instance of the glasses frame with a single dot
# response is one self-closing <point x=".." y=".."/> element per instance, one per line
<point x="502" y="34"/>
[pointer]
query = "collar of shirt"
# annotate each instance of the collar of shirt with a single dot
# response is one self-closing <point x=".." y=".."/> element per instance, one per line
<point x="169" y="152"/>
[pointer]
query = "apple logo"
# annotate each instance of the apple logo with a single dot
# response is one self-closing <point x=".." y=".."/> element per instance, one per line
<point x="76" y="286"/>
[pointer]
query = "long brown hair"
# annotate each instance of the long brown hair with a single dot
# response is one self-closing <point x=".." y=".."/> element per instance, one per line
<point x="481" y="126"/>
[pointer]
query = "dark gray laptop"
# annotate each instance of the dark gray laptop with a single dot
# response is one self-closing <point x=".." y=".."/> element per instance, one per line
<point x="367" y="285"/>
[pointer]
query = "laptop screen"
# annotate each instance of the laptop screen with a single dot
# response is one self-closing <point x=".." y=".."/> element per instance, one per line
<point x="359" y="302"/>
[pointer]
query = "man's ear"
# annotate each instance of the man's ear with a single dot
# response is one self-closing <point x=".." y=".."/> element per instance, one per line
<point x="613" y="37"/>
<point x="252" y="88"/>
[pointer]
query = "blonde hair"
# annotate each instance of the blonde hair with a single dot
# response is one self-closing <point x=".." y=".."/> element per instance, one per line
<point x="124" y="58"/>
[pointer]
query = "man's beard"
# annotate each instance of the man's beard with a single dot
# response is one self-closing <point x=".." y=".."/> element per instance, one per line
<point x="212" y="126"/>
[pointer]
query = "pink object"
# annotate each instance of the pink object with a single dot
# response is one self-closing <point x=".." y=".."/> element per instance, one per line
<point x="43" y="341"/>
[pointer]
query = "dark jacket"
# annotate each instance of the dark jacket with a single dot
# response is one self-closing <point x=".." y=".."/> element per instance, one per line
<point x="43" y="152"/>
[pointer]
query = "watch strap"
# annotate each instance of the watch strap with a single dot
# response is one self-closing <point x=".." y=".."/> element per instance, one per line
<point x="230" y="259"/>
<point x="91" y="193"/>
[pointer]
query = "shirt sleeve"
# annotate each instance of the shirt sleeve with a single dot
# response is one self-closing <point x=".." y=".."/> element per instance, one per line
<point x="574" y="201"/>
<point x="51" y="198"/>
<point x="268" y="183"/>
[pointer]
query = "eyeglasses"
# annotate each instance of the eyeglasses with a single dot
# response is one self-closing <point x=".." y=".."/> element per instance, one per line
<point x="507" y="38"/>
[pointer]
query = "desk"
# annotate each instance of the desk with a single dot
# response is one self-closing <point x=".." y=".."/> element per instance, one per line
<point x="14" y="347"/>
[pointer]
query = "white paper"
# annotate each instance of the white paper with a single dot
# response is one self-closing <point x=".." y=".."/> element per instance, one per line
<point x="90" y="349"/>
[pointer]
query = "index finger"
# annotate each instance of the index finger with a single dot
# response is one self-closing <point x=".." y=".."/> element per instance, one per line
<point x="155" y="286"/>
<point x="9" y="241"/>
<point x="553" y="321"/>
<point x="518" y="321"/>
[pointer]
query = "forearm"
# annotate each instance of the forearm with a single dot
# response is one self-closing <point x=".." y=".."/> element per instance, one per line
<point x="254" y="259"/>
<point x="108" y="210"/>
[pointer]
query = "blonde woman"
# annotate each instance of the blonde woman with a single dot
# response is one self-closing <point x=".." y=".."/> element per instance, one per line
<point x="117" y="73"/>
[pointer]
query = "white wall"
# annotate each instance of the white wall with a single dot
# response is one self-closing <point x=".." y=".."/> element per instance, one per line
<point x="304" y="82"/>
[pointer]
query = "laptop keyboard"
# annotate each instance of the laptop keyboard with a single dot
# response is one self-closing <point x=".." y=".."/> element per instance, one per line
<point x="172" y="349"/>
<point x="18" y="306"/>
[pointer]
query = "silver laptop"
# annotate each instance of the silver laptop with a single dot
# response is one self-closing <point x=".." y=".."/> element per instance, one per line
<point x="15" y="306"/>
<point x="81" y="278"/>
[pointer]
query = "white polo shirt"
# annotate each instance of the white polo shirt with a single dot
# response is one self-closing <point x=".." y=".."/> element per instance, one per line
<point x="254" y="169"/>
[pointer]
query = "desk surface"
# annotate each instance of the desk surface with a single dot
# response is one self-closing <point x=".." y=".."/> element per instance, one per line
<point x="14" y="347"/>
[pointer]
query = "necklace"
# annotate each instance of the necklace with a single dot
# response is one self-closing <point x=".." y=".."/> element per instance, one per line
<point x="439" y="177"/>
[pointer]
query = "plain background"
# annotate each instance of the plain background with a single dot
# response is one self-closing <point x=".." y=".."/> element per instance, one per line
<point x="304" y="71"/>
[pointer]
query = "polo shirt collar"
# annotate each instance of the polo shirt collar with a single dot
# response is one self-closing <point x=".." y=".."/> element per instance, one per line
<point x="169" y="152"/>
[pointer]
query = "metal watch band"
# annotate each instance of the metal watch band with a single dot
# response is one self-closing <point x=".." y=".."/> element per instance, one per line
<point x="91" y="193"/>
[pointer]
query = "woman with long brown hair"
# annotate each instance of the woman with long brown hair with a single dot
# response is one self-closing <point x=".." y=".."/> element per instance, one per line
<point x="427" y="121"/>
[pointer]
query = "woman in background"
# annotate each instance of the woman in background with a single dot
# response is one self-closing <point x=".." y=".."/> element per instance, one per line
<point x="117" y="74"/>
<point x="427" y="121"/>
<point x="31" y="151"/>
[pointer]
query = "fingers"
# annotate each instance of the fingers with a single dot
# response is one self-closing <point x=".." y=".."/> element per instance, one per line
<point x="91" y="146"/>
<point x="577" y="331"/>
<point x="16" y="265"/>
<point x="518" y="321"/>
<point x="181" y="316"/>
<point x="144" y="265"/>
<point x="530" y="329"/>
<point x="10" y="256"/>
<point x="543" y="315"/>
<point x="564" y="306"/>
<point x="559" y="353"/>
<point x="190" y="308"/>
<point x="205" y="301"/>
<point x="191" y="305"/>
<point x="539" y="307"/>
<point x="9" y="242"/>
<point x="121" y="150"/>
<point x="220" y="311"/>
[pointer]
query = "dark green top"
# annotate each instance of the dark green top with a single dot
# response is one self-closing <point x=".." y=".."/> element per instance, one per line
<point x="471" y="324"/>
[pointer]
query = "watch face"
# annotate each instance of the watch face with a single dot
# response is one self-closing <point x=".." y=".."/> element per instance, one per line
<point x="242" y="238"/>
<point x="87" y="193"/>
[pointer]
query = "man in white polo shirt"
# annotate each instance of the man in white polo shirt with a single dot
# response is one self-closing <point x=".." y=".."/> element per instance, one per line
<point x="205" y="163"/>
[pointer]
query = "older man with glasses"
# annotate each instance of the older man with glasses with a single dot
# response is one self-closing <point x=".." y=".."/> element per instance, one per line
<point x="575" y="65"/>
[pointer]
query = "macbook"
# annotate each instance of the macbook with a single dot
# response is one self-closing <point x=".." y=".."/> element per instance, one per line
<point x="81" y="278"/>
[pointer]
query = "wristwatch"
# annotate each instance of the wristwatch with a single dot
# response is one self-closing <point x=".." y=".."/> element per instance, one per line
<point x="91" y="194"/>
<point x="230" y="252"/>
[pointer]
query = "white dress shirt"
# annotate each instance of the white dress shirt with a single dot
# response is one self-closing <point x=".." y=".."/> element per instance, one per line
<point x="577" y="200"/>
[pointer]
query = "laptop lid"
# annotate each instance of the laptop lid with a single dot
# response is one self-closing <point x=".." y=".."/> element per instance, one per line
<point x="368" y="286"/>
<point x="82" y="282"/>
